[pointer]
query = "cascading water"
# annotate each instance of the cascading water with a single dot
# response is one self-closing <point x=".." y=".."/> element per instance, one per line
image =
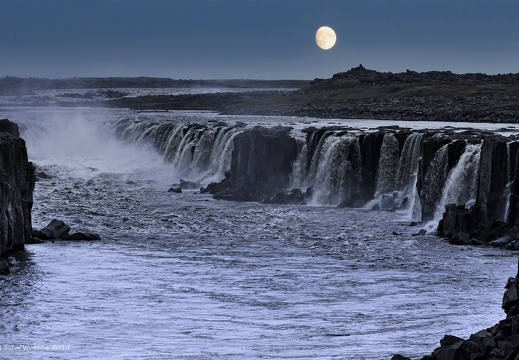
<point x="220" y="155"/>
<point x="434" y="181"/>
<point x="334" y="171"/>
<point x="462" y="183"/>
<point x="408" y="172"/>
<point x="197" y="152"/>
<point x="408" y="164"/>
<point x="508" y="186"/>
<point x="397" y="176"/>
<point x="299" y="174"/>
<point x="387" y="165"/>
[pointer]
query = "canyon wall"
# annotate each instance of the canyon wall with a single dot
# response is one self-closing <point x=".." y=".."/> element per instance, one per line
<point x="471" y="173"/>
<point x="16" y="189"/>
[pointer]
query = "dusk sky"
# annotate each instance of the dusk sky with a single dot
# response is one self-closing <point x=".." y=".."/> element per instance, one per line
<point x="254" y="39"/>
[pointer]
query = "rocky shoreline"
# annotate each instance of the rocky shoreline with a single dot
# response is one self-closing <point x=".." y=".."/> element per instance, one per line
<point x="497" y="342"/>
<point x="17" y="182"/>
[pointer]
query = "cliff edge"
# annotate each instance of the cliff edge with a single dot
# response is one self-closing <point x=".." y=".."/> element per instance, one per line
<point x="16" y="189"/>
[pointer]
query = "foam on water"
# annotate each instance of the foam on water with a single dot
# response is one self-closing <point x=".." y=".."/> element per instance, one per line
<point x="185" y="276"/>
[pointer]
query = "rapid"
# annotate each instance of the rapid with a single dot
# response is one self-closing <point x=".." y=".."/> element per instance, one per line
<point x="185" y="276"/>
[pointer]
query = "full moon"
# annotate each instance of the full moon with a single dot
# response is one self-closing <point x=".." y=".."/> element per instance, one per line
<point x="325" y="37"/>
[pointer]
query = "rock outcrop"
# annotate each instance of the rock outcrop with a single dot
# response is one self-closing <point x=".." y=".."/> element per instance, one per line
<point x="388" y="168"/>
<point x="361" y="93"/>
<point x="493" y="217"/>
<point x="16" y="189"/>
<point x="500" y="341"/>
<point x="58" y="230"/>
<point x="260" y="167"/>
<point x="391" y="169"/>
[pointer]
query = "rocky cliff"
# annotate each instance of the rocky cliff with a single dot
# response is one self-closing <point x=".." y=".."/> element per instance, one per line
<point x="16" y="189"/>
<point x="472" y="174"/>
<point x="261" y="165"/>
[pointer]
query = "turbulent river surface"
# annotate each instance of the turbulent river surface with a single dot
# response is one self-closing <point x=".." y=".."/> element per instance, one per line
<point x="185" y="276"/>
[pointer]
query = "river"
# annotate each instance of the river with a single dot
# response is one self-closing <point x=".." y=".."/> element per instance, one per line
<point x="185" y="276"/>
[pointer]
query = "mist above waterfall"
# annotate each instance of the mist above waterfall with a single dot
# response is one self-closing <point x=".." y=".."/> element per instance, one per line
<point x="80" y="142"/>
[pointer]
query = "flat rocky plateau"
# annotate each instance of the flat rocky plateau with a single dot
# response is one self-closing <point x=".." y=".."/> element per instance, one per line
<point x="364" y="94"/>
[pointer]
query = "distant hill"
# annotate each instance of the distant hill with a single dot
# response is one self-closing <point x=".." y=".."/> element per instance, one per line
<point x="358" y="93"/>
<point x="26" y="86"/>
<point x="367" y="94"/>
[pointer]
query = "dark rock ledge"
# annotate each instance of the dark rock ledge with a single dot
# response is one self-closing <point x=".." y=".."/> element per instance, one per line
<point x="58" y="230"/>
<point x="16" y="193"/>
<point x="465" y="226"/>
<point x="499" y="342"/>
<point x="16" y="189"/>
<point x="260" y="167"/>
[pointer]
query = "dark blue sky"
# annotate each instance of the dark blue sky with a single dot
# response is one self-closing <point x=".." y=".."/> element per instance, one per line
<point x="254" y="39"/>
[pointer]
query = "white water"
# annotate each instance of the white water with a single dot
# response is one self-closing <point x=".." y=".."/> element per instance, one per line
<point x="334" y="169"/>
<point x="184" y="276"/>
<point x="462" y="182"/>
<point x="388" y="165"/>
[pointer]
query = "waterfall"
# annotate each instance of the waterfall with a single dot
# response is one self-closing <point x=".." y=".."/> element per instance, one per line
<point x="462" y="183"/>
<point x="397" y="175"/>
<point x="509" y="181"/>
<point x="197" y="152"/>
<point x="334" y="170"/>
<point x="408" y="173"/>
<point x="434" y="182"/>
<point x="299" y="173"/>
<point x="220" y="156"/>
<point x="387" y="165"/>
<point x="408" y="164"/>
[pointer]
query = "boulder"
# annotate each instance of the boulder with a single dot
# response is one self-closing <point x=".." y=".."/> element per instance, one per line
<point x="449" y="348"/>
<point x="56" y="229"/>
<point x="9" y="127"/>
<point x="458" y="219"/>
<point x="41" y="175"/>
<point x="4" y="267"/>
<point x="500" y="341"/>
<point x="294" y="196"/>
<point x="82" y="235"/>
<point x="188" y="185"/>
<point x="175" y="190"/>
<point x="400" y="357"/>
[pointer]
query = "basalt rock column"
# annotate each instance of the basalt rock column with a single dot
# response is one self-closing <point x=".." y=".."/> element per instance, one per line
<point x="261" y="165"/>
<point x="16" y="191"/>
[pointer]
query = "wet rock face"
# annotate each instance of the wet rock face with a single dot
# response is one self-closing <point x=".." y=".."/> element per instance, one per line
<point x="261" y="165"/>
<point x="493" y="219"/>
<point x="58" y="230"/>
<point x="16" y="189"/>
<point x="9" y="127"/>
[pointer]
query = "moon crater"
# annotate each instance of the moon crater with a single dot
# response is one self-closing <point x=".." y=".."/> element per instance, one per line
<point x="325" y="37"/>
